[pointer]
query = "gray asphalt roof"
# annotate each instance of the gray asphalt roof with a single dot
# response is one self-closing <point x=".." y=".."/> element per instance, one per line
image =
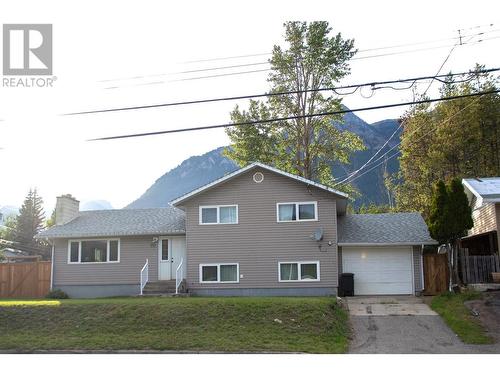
<point x="393" y="228"/>
<point x="125" y="222"/>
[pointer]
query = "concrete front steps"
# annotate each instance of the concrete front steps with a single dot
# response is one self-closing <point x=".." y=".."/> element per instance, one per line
<point x="164" y="288"/>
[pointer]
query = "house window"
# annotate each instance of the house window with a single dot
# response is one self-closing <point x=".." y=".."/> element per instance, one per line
<point x="74" y="252"/>
<point x="219" y="214"/>
<point x="219" y="273"/>
<point x="297" y="211"/>
<point x="298" y="271"/>
<point x="164" y="250"/>
<point x="94" y="251"/>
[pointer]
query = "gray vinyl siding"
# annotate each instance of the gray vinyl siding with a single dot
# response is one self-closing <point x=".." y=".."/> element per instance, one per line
<point x="417" y="268"/>
<point x="133" y="254"/>
<point x="258" y="242"/>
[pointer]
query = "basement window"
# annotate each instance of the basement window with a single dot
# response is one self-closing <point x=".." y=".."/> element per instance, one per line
<point x="298" y="271"/>
<point x="94" y="251"/>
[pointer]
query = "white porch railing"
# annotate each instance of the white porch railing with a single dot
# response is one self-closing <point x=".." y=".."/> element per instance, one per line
<point x="179" y="276"/>
<point x="144" y="275"/>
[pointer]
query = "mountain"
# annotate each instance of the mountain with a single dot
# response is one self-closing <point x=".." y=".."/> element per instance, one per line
<point x="189" y="175"/>
<point x="7" y="211"/>
<point x="200" y="170"/>
<point x="96" y="205"/>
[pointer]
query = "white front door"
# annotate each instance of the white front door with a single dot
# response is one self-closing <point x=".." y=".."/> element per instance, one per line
<point x="171" y="251"/>
<point x="379" y="270"/>
<point x="164" y="258"/>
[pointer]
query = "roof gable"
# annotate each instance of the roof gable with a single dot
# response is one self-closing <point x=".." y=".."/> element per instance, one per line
<point x="249" y="167"/>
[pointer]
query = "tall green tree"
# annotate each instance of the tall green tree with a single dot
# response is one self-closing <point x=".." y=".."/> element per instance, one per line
<point x="31" y="219"/>
<point x="439" y="219"/>
<point x="306" y="146"/>
<point x="454" y="139"/>
<point x="51" y="221"/>
<point x="8" y="231"/>
<point x="450" y="218"/>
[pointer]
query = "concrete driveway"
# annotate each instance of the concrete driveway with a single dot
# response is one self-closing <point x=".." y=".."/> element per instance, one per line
<point x="403" y="324"/>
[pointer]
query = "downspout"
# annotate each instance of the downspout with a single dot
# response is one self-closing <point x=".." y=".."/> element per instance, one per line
<point x="52" y="265"/>
<point x="422" y="266"/>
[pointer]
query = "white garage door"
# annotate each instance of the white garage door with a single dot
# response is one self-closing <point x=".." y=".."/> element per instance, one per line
<point x="379" y="270"/>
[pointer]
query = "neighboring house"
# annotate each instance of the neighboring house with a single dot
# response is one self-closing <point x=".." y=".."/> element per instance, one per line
<point x="13" y="255"/>
<point x="484" y="199"/>
<point x="256" y="231"/>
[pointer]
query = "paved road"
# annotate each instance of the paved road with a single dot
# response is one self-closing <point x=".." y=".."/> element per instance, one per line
<point x="403" y="325"/>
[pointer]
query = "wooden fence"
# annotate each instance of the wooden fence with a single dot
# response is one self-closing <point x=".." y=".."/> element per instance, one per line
<point x="477" y="269"/>
<point x="436" y="274"/>
<point x="24" y="280"/>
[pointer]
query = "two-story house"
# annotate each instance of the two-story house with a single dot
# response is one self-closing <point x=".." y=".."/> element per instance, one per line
<point x="256" y="231"/>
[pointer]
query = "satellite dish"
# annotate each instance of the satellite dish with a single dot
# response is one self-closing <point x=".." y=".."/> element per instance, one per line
<point x="318" y="234"/>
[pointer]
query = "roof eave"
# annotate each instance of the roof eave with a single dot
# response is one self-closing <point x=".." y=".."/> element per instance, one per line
<point x="98" y="235"/>
<point x="413" y="243"/>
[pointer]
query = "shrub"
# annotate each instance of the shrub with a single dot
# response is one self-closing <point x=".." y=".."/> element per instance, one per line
<point x="57" y="294"/>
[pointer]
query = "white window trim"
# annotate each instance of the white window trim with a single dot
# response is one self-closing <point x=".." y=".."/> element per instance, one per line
<point x="218" y="207"/>
<point x="108" y="240"/>
<point x="297" y="211"/>
<point x="218" y="273"/>
<point x="299" y="272"/>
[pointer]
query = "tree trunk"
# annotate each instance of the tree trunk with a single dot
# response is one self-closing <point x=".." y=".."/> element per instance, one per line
<point x="455" y="278"/>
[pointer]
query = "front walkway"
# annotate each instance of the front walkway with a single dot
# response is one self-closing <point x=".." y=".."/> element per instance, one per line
<point x="403" y="324"/>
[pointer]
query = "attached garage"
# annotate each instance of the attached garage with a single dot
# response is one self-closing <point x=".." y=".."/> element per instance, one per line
<point x="380" y="270"/>
<point x="383" y="251"/>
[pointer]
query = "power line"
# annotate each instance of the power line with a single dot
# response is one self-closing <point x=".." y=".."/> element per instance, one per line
<point x="191" y="79"/>
<point x="350" y="176"/>
<point x="361" y="50"/>
<point x="192" y="71"/>
<point x="372" y="157"/>
<point x="242" y="97"/>
<point x="268" y="69"/>
<point x="270" y="53"/>
<point x="411" y="142"/>
<point x="329" y="113"/>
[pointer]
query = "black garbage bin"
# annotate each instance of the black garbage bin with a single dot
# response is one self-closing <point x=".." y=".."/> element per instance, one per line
<point x="346" y="285"/>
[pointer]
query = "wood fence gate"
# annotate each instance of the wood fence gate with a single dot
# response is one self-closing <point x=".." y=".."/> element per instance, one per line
<point x="436" y="273"/>
<point x="24" y="280"/>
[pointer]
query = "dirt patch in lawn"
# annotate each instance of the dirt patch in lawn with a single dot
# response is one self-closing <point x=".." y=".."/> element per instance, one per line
<point x="487" y="311"/>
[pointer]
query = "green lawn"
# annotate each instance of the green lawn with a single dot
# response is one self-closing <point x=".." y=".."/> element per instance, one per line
<point x="314" y="325"/>
<point x="458" y="317"/>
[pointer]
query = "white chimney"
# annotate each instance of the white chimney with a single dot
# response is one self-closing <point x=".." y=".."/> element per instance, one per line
<point x="67" y="209"/>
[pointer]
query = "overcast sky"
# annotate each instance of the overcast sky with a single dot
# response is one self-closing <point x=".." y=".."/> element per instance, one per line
<point x="105" y="41"/>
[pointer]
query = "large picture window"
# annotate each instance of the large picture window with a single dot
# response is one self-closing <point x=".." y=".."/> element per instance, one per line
<point x="298" y="271"/>
<point x="219" y="214"/>
<point x="297" y="211"/>
<point x="219" y="273"/>
<point x="94" y="251"/>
